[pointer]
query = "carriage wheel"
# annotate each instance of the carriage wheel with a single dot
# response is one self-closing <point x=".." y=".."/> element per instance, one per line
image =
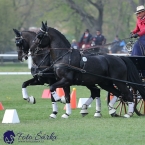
<point x="120" y="106"/>
<point x="139" y="104"/>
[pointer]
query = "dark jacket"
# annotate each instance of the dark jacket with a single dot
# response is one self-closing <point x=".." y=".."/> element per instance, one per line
<point x="85" y="40"/>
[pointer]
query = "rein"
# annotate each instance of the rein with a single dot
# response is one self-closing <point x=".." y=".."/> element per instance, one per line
<point x="87" y="72"/>
<point x="48" y="68"/>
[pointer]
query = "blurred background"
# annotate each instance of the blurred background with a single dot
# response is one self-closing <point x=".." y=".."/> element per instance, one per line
<point x="71" y="17"/>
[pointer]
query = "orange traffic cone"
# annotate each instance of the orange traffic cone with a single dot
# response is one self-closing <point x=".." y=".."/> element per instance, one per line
<point x="46" y="94"/>
<point x="1" y="106"/>
<point x="73" y="100"/>
<point x="60" y="92"/>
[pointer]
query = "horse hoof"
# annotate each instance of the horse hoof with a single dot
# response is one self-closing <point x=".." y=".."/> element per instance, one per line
<point x="84" y="114"/>
<point x="32" y="100"/>
<point x="63" y="100"/>
<point x="112" y="111"/>
<point x="97" y="115"/>
<point x="52" y="116"/>
<point x="84" y="111"/>
<point x="65" y="116"/>
<point x="114" y="115"/>
<point x="128" y="115"/>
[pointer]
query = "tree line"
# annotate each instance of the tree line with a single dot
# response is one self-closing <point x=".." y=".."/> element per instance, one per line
<point x="71" y="17"/>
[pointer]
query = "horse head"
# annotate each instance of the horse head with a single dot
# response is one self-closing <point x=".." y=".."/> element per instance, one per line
<point x="22" y="44"/>
<point x="50" y="37"/>
<point x="42" y="38"/>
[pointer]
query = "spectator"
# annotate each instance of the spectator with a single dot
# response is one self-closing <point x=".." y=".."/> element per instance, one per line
<point x="116" y="39"/>
<point x="85" y="39"/>
<point x="98" y="39"/>
<point x="74" y="44"/>
<point x="139" y="31"/>
<point x="116" y="48"/>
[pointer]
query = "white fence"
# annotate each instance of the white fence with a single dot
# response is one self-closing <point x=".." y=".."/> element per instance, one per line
<point x="29" y="61"/>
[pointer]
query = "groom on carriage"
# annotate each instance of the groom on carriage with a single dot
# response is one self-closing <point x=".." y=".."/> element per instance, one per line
<point x="139" y="31"/>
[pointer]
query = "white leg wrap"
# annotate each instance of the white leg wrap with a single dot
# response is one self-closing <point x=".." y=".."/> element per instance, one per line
<point x="130" y="107"/>
<point x="24" y="93"/>
<point x="68" y="108"/>
<point x="130" y="110"/>
<point x="111" y="109"/>
<point x="98" y="108"/>
<point x="84" y="109"/>
<point x="63" y="100"/>
<point x="54" y="107"/>
<point x="98" y="104"/>
<point x="55" y="96"/>
<point x="112" y="102"/>
<point x="89" y="101"/>
<point x="68" y="111"/>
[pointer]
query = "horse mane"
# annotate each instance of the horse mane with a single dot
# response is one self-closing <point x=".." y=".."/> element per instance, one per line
<point x="61" y="36"/>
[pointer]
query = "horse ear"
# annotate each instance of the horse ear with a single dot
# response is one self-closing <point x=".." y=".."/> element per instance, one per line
<point x="43" y="26"/>
<point x="18" y="34"/>
<point x="46" y="23"/>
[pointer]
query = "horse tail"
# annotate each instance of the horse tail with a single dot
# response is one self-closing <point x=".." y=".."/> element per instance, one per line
<point x="133" y="76"/>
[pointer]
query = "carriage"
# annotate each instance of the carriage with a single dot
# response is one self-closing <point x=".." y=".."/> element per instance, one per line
<point x="121" y="106"/>
<point x="61" y="54"/>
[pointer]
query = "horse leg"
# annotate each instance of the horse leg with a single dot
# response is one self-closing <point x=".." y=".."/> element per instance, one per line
<point x="54" y="94"/>
<point x="54" y="103"/>
<point x="95" y="93"/>
<point x="25" y="95"/>
<point x="54" y="108"/>
<point x="61" y="83"/>
<point x="65" y="84"/>
<point x="127" y="94"/>
<point x="68" y="105"/>
<point x="110" y="88"/>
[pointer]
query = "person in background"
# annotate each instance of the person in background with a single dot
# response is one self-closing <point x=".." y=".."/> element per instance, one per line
<point x="85" y="39"/>
<point x="98" y="39"/>
<point x="115" y="47"/>
<point x="139" y="31"/>
<point x="116" y="39"/>
<point x="74" y="44"/>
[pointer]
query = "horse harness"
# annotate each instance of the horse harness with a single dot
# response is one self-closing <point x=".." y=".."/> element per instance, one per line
<point x="80" y="69"/>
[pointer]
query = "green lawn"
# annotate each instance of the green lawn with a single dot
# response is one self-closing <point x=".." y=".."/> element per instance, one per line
<point x="35" y="121"/>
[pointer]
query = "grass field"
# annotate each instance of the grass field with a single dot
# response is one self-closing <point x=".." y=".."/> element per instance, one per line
<point x="35" y="121"/>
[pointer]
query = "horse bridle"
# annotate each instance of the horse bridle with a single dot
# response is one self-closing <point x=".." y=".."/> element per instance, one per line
<point x="38" y="41"/>
<point x="19" y="43"/>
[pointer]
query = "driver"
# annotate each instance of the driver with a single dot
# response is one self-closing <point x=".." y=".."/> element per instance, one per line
<point x="139" y="31"/>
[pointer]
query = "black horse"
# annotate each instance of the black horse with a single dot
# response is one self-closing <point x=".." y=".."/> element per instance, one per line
<point x="41" y="60"/>
<point x="105" y="70"/>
